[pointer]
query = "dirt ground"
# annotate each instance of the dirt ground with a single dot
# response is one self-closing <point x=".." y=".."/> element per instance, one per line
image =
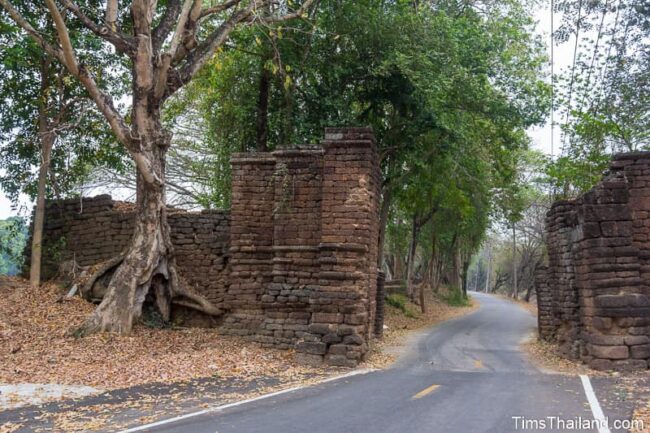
<point x="34" y="348"/>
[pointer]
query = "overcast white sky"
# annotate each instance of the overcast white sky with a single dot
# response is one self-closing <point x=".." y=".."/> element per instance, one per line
<point x="541" y="137"/>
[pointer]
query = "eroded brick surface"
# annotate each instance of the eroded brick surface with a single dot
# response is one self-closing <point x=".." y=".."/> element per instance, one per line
<point x="594" y="297"/>
<point x="303" y="247"/>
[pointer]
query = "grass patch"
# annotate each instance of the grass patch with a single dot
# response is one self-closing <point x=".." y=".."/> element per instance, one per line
<point x="399" y="302"/>
<point x="456" y="298"/>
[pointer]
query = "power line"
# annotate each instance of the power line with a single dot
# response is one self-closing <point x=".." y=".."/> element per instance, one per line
<point x="552" y="80"/>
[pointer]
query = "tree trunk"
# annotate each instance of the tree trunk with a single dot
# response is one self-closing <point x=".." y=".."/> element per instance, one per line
<point x="148" y="265"/>
<point x="148" y="257"/>
<point x="423" y="307"/>
<point x="464" y="277"/>
<point x="411" y="259"/>
<point x="487" y="272"/>
<point x="263" y="106"/>
<point x="456" y="281"/>
<point x="46" y="138"/>
<point x="383" y="222"/>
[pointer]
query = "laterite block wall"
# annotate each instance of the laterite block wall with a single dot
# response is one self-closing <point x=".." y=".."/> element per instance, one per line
<point x="293" y="263"/>
<point x="595" y="294"/>
<point x="96" y="229"/>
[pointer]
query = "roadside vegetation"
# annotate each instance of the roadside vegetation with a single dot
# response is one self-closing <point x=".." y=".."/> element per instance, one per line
<point x="450" y="89"/>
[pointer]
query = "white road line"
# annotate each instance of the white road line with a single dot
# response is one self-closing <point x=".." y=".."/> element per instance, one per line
<point x="242" y="402"/>
<point x="595" y="406"/>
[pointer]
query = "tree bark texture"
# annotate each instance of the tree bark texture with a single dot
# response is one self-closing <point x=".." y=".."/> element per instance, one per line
<point x="383" y="223"/>
<point x="411" y="259"/>
<point x="262" y="126"/>
<point x="46" y="140"/>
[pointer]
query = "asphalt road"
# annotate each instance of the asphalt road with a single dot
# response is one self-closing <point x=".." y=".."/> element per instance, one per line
<point x="467" y="375"/>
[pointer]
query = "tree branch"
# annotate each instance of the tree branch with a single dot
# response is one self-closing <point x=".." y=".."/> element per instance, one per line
<point x="219" y="8"/>
<point x="198" y="57"/>
<point x="64" y="38"/>
<point x="36" y="36"/>
<point x="299" y="13"/>
<point x="111" y="14"/>
<point x="120" y="41"/>
<point x="166" y="23"/>
<point x="180" y="27"/>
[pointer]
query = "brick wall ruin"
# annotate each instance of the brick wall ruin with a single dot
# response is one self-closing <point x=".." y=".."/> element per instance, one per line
<point x="303" y="247"/>
<point x="293" y="263"/>
<point x="98" y="229"/>
<point x="594" y="297"/>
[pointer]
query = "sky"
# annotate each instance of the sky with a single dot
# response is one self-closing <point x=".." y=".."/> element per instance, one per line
<point x="540" y="136"/>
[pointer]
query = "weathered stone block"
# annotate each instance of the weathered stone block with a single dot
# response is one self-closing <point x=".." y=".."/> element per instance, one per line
<point x="640" y="351"/>
<point x="309" y="359"/>
<point x="312" y="347"/>
<point x="609" y="352"/>
<point x="633" y="340"/>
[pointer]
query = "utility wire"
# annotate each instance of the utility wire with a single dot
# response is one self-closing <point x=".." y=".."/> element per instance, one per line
<point x="552" y="80"/>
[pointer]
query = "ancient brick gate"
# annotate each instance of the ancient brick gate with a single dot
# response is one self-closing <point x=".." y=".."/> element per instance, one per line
<point x="293" y="263"/>
<point x="594" y="296"/>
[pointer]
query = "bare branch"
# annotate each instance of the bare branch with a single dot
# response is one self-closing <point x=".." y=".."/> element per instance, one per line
<point x="166" y="23"/>
<point x="198" y="57"/>
<point x="298" y="13"/>
<point x="180" y="27"/>
<point x="105" y="105"/>
<point x="122" y="42"/>
<point x="64" y="38"/>
<point x="111" y="14"/>
<point x="219" y="8"/>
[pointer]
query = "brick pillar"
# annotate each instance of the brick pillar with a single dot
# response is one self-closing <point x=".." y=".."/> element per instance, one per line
<point x="562" y="233"/>
<point x="296" y="235"/>
<point x="251" y="241"/>
<point x="599" y="257"/>
<point x="343" y="308"/>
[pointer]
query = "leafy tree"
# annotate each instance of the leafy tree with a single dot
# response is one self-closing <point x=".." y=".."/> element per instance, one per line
<point x="163" y="45"/>
<point x="448" y="92"/>
<point x="49" y="131"/>
<point x="604" y="97"/>
<point x="13" y="236"/>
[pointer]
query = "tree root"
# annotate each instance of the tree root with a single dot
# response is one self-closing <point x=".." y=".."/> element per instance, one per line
<point x="166" y="286"/>
<point x="183" y="295"/>
<point x="85" y="289"/>
<point x="196" y="302"/>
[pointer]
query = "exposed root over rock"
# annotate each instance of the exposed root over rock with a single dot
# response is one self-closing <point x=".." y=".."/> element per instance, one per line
<point x="165" y="288"/>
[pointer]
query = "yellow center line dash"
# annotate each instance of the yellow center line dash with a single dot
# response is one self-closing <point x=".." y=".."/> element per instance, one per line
<point x="425" y="391"/>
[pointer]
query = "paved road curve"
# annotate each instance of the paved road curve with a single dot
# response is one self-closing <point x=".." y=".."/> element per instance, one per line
<point x="467" y="375"/>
